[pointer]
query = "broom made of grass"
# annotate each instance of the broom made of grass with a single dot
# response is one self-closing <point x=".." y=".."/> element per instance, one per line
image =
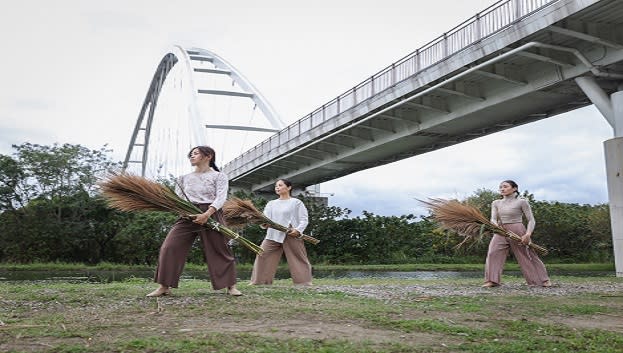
<point x="240" y="212"/>
<point x="469" y="222"/>
<point x="127" y="192"/>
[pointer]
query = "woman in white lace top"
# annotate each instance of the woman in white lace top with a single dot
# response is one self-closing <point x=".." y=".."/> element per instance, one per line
<point x="508" y="212"/>
<point x="207" y="188"/>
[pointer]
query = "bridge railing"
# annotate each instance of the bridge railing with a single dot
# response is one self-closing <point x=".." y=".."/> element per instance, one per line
<point x="484" y="24"/>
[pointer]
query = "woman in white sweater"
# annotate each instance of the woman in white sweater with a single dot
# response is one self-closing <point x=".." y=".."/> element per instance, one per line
<point x="291" y="212"/>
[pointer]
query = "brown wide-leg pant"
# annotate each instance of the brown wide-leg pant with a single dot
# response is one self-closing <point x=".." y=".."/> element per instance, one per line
<point x="265" y="266"/>
<point x="531" y="265"/>
<point x="174" y="250"/>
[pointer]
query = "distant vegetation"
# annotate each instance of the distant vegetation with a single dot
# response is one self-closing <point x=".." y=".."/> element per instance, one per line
<point x="50" y="212"/>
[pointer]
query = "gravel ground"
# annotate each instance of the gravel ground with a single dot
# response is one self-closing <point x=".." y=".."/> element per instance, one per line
<point x="389" y="292"/>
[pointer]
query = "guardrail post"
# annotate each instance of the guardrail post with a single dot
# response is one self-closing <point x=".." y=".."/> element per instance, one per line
<point x="477" y="29"/>
<point x="416" y="65"/>
<point x="371" y="86"/>
<point x="393" y="74"/>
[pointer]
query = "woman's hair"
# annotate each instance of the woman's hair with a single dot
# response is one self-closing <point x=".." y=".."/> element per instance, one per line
<point x="208" y="152"/>
<point x="287" y="183"/>
<point x="512" y="184"/>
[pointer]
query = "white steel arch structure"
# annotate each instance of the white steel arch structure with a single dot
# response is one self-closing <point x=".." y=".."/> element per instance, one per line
<point x="189" y="75"/>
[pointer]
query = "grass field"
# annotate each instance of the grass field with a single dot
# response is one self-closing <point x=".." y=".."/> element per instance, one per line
<point x="578" y="314"/>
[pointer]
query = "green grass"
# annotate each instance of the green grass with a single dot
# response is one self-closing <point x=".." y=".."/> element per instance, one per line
<point x="335" y="315"/>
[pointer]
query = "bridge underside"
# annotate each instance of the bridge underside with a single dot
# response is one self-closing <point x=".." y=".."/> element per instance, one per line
<point x="520" y="75"/>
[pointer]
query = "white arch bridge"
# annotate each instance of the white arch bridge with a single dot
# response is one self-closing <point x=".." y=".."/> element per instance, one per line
<point x="516" y="62"/>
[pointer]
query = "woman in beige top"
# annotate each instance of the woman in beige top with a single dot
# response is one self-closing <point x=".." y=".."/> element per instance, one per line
<point x="508" y="212"/>
<point x="207" y="188"/>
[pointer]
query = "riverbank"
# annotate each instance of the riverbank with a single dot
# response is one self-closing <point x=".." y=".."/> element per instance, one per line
<point x="578" y="314"/>
<point x="510" y="266"/>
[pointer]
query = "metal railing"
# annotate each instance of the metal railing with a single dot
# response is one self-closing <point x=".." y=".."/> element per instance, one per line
<point x="482" y="25"/>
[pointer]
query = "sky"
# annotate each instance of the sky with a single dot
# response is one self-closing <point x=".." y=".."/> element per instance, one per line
<point x="77" y="72"/>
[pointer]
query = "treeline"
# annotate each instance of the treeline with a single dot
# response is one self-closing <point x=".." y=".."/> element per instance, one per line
<point x="50" y="211"/>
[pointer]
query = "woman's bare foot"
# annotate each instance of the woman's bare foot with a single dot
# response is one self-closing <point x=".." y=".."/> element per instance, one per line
<point x="162" y="290"/>
<point x="233" y="291"/>
<point x="490" y="284"/>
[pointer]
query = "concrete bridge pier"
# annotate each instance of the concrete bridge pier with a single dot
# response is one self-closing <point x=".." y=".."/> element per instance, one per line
<point x="612" y="109"/>
<point x="614" y="172"/>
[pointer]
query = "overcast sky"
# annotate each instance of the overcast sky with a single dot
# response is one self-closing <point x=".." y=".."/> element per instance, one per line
<point x="77" y="72"/>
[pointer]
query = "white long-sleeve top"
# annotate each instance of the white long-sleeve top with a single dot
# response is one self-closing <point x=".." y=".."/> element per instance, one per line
<point x="207" y="187"/>
<point x="288" y="212"/>
<point x="510" y="209"/>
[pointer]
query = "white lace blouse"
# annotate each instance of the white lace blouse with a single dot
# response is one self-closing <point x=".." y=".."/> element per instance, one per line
<point x="207" y="187"/>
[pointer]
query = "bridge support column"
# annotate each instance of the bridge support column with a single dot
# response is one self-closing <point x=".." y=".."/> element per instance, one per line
<point x="612" y="110"/>
<point x="614" y="173"/>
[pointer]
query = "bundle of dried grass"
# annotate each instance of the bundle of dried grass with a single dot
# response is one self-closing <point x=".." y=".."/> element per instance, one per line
<point x="468" y="222"/>
<point x="239" y="213"/>
<point x="127" y="192"/>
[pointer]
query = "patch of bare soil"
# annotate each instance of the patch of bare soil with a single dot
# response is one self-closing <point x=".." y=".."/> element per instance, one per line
<point x="602" y="321"/>
<point x="315" y="326"/>
<point x="309" y="329"/>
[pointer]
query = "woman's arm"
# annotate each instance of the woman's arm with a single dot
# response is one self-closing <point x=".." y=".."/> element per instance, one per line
<point x="299" y="218"/>
<point x="527" y="211"/>
<point x="302" y="216"/>
<point x="494" y="213"/>
<point x="222" y="187"/>
<point x="268" y="212"/>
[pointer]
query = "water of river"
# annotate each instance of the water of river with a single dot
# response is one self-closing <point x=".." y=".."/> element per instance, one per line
<point x="112" y="276"/>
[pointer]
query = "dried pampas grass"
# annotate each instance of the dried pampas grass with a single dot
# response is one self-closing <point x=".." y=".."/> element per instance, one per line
<point x="239" y="213"/>
<point x="127" y="192"/>
<point x="468" y="222"/>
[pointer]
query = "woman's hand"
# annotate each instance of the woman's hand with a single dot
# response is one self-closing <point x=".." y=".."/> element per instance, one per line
<point x="202" y="218"/>
<point x="525" y="239"/>
<point x="293" y="233"/>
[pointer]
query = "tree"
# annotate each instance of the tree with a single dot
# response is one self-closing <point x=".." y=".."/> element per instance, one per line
<point x="12" y="178"/>
<point x="50" y="211"/>
<point x="47" y="195"/>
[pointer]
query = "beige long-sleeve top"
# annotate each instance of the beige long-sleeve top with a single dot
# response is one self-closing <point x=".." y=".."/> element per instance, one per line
<point x="510" y="209"/>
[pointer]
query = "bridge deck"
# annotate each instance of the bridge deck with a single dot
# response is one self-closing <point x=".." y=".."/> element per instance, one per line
<point x="507" y="66"/>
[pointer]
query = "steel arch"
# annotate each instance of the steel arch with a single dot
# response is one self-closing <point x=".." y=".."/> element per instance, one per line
<point x="179" y="54"/>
